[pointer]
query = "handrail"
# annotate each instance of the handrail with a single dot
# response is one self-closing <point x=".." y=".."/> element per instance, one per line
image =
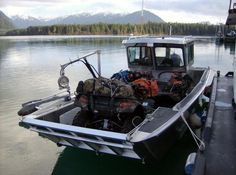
<point x="83" y="59"/>
<point x="98" y="52"/>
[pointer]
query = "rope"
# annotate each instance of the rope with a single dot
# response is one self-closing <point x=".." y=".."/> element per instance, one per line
<point x="201" y="144"/>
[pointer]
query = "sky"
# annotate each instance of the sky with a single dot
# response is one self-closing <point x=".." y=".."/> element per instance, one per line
<point x="188" y="11"/>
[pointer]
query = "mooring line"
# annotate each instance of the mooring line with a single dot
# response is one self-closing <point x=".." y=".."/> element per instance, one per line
<point x="201" y="144"/>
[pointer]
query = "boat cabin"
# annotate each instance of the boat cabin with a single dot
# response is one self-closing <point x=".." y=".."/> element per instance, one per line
<point x="160" y="53"/>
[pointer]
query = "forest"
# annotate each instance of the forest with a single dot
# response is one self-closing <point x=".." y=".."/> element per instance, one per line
<point x="120" y="29"/>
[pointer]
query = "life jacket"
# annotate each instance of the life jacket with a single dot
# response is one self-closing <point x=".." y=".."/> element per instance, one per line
<point x="175" y="80"/>
<point x="145" y="88"/>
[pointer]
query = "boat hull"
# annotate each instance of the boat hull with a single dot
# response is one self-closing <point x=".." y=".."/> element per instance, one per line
<point x="152" y="148"/>
<point x="157" y="146"/>
<point x="151" y="139"/>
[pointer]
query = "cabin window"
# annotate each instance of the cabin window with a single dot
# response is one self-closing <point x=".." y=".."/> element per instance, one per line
<point x="169" y="56"/>
<point x="140" y="56"/>
<point x="190" y="54"/>
<point x="160" y="51"/>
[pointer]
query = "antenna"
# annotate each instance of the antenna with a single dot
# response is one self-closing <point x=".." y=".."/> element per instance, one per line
<point x="142" y="8"/>
<point x="142" y="18"/>
<point x="230" y="2"/>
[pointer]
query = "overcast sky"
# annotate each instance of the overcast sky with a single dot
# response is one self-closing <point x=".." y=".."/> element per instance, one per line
<point x="213" y="11"/>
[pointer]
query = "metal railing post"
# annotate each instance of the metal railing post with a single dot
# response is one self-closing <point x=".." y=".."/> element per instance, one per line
<point x="99" y="62"/>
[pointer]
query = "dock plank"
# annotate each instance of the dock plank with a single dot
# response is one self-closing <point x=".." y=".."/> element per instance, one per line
<point x="220" y="154"/>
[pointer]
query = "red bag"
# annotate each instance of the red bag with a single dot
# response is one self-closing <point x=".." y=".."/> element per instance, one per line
<point x="149" y="88"/>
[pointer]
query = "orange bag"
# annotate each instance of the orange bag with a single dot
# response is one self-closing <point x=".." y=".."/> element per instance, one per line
<point x="150" y="86"/>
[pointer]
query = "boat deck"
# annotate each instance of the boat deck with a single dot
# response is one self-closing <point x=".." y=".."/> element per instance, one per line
<point x="220" y="133"/>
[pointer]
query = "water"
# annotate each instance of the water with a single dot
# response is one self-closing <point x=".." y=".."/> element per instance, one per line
<point x="29" y="68"/>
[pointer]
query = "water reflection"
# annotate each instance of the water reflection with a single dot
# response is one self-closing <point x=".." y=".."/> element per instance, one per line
<point x="4" y="46"/>
<point x="231" y="47"/>
<point x="63" y="40"/>
<point x="74" y="161"/>
<point x="216" y="56"/>
<point x="227" y="46"/>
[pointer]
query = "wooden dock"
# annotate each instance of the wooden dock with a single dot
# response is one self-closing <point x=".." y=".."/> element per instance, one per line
<point x="219" y="157"/>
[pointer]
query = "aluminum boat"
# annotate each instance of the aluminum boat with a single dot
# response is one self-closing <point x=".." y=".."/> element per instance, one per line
<point x="120" y="115"/>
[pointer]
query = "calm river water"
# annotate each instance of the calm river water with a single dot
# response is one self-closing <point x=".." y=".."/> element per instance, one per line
<point x="29" y="68"/>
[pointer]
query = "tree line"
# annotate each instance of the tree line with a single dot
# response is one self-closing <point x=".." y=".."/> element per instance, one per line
<point x="119" y="29"/>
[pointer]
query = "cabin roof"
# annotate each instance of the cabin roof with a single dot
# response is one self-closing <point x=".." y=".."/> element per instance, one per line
<point x="150" y="40"/>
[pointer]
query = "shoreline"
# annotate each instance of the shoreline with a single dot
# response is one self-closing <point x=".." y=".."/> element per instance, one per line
<point x="94" y="36"/>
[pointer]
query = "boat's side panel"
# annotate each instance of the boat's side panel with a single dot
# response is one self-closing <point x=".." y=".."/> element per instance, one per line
<point x="195" y="93"/>
<point x="155" y="147"/>
<point x="160" y="137"/>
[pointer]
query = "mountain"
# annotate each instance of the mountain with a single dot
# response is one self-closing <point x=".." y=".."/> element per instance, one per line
<point x="87" y="18"/>
<point x="24" y="22"/>
<point x="136" y="18"/>
<point x="5" y="22"/>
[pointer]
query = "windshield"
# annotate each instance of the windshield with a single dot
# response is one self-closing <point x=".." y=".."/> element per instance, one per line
<point x="140" y="55"/>
<point x="169" y="56"/>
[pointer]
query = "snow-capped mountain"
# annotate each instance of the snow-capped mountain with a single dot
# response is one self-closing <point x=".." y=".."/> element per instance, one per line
<point x="87" y="18"/>
<point x="26" y="21"/>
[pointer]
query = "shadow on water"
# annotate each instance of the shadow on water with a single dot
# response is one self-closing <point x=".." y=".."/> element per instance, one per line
<point x="231" y="47"/>
<point x="74" y="161"/>
<point x="227" y="46"/>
